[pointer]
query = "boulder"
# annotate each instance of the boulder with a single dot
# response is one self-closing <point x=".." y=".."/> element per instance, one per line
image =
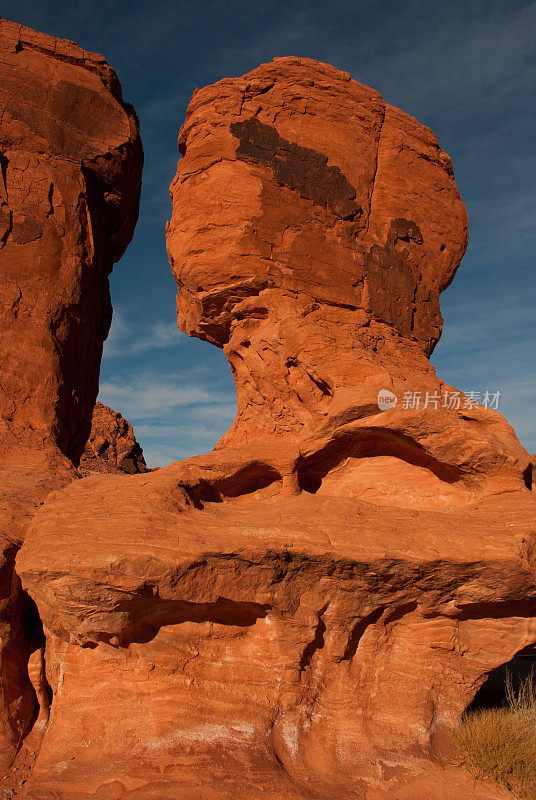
<point x="112" y="446"/>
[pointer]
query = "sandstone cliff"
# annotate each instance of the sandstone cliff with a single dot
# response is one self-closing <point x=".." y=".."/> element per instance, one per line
<point x="70" y="176"/>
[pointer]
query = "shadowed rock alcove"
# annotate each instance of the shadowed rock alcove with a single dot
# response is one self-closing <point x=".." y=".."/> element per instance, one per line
<point x="493" y="693"/>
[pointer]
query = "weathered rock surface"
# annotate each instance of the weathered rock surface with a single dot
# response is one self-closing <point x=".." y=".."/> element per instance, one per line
<point x="70" y="174"/>
<point x="69" y="191"/>
<point x="112" y="446"/>
<point x="306" y="611"/>
<point x="335" y="223"/>
<point x="286" y="647"/>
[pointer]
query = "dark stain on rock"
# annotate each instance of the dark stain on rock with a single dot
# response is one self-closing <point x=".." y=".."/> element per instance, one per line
<point x="27" y="229"/>
<point x="389" y="285"/>
<point x="391" y="282"/>
<point x="3" y="170"/>
<point x="405" y="230"/>
<point x="300" y="168"/>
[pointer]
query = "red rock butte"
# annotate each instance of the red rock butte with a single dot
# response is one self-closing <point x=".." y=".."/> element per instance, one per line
<point x="306" y="611"/>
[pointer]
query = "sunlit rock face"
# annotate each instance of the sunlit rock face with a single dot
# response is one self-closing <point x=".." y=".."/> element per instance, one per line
<point x="297" y="178"/>
<point x="307" y="610"/>
<point x="314" y="227"/>
<point x="70" y="180"/>
<point x="70" y="177"/>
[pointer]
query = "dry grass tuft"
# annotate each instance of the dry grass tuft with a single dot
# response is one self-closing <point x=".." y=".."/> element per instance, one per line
<point x="500" y="743"/>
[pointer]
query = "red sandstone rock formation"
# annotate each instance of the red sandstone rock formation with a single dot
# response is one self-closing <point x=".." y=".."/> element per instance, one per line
<point x="70" y="174"/>
<point x="112" y="446"/>
<point x="306" y="611"/>
<point x="338" y="224"/>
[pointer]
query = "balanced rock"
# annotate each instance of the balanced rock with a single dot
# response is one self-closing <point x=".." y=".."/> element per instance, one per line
<point x="70" y="176"/>
<point x="112" y="446"/>
<point x="338" y="225"/>
<point x="307" y="610"/>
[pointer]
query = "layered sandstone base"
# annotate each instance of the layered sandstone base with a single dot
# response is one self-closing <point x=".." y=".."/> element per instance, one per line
<point x="220" y="640"/>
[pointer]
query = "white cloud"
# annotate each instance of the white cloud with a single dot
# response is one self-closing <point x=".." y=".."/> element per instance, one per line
<point x="173" y="417"/>
<point x="125" y="340"/>
<point x="163" y="334"/>
<point x="486" y="322"/>
<point x="467" y="60"/>
<point x="210" y="420"/>
<point x="159" y="455"/>
<point x="150" y="396"/>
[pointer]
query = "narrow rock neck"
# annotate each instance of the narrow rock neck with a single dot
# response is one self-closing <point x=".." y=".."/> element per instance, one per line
<point x="299" y="362"/>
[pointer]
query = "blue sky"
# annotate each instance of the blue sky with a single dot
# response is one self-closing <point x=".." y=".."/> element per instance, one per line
<point x="465" y="68"/>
